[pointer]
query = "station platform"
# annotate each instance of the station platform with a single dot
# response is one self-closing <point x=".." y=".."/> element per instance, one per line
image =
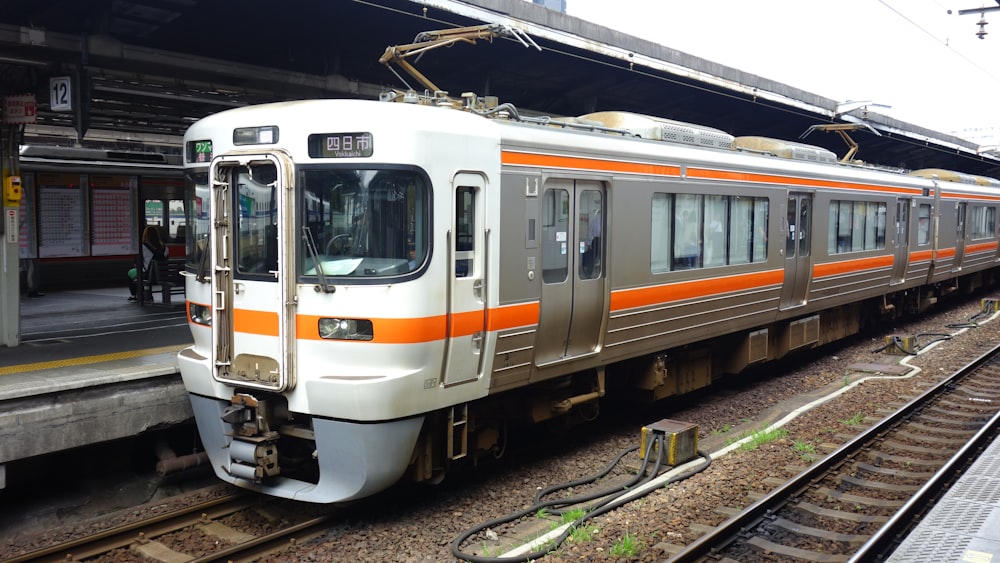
<point x="91" y="367"/>
<point x="965" y="524"/>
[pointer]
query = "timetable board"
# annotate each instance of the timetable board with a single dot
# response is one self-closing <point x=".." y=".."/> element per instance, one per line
<point x="60" y="216"/>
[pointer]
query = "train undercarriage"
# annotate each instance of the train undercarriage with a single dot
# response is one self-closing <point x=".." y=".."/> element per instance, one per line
<point x="269" y="440"/>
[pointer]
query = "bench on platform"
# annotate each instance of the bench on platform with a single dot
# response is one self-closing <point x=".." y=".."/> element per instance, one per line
<point x="165" y="276"/>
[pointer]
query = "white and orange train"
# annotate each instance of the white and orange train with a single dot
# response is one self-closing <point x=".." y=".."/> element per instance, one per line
<point x="378" y="290"/>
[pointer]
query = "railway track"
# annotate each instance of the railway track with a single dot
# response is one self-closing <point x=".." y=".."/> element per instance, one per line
<point x="169" y="537"/>
<point x="856" y="502"/>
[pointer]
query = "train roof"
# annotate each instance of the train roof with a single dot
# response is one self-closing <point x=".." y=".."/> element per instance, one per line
<point x="623" y="125"/>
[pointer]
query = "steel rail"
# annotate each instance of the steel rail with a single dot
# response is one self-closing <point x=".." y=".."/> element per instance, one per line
<point x="705" y="545"/>
<point x="268" y="544"/>
<point x="922" y="500"/>
<point x="123" y="536"/>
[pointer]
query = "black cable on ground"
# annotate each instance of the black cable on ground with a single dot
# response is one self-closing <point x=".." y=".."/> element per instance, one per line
<point x="896" y="342"/>
<point x="599" y="508"/>
<point x="984" y="311"/>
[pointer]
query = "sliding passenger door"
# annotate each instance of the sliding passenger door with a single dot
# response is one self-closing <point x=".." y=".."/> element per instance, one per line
<point x="798" y="259"/>
<point x="574" y="263"/>
<point x="901" y="242"/>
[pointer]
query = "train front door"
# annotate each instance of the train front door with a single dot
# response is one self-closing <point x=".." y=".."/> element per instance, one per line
<point x="901" y="242"/>
<point x="798" y="258"/>
<point x="574" y="265"/>
<point x="253" y="315"/>
<point x="467" y="284"/>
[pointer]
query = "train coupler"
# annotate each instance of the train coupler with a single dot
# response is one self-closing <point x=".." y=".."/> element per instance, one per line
<point x="679" y="440"/>
<point x="254" y="459"/>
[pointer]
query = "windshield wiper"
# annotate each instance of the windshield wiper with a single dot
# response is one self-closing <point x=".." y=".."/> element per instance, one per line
<point x="204" y="258"/>
<point x="311" y="245"/>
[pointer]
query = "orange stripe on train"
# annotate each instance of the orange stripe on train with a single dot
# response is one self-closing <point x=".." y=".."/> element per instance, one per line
<point x="671" y="292"/>
<point x="398" y="331"/>
<point x="735" y="175"/>
<point x="851" y="266"/>
<point x="553" y="161"/>
<point x="981" y="247"/>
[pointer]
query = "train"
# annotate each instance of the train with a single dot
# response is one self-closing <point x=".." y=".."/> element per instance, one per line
<point x="385" y="290"/>
<point x="84" y="209"/>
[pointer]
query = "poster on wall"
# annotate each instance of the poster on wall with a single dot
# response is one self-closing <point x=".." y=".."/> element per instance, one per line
<point x="60" y="216"/>
<point x="113" y="222"/>
<point x="27" y="247"/>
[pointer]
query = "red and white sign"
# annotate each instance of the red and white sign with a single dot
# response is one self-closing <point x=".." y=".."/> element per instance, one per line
<point x="19" y="109"/>
<point x="12" y="230"/>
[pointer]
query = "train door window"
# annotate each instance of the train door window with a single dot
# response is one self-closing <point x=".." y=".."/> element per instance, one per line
<point x="555" y="230"/>
<point x="792" y="235"/>
<point x="590" y="226"/>
<point x="716" y="229"/>
<point x="687" y="225"/>
<point x="960" y="223"/>
<point x="659" y="238"/>
<point x="257" y="223"/>
<point x="804" y="236"/>
<point x="924" y="224"/>
<point x="465" y="235"/>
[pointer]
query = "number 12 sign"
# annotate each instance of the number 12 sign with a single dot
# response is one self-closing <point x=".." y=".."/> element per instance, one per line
<point x="60" y="94"/>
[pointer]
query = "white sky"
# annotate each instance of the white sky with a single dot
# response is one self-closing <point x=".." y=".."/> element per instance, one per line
<point x="908" y="54"/>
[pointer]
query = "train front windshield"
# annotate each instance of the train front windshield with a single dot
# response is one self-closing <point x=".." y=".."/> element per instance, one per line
<point x="363" y="223"/>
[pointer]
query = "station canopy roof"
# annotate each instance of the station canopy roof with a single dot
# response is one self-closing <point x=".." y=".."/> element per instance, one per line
<point x="151" y="68"/>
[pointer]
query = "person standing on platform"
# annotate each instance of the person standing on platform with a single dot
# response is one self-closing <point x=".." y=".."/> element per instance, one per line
<point x="30" y="268"/>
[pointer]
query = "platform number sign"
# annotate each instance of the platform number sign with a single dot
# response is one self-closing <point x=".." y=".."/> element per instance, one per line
<point x="60" y="94"/>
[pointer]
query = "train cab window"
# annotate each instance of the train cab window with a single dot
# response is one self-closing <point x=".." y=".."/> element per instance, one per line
<point x="362" y="223"/>
<point x="196" y="223"/>
<point x="924" y="224"/>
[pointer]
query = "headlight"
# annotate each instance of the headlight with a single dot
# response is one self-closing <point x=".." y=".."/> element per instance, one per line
<point x="346" y="329"/>
<point x="200" y="314"/>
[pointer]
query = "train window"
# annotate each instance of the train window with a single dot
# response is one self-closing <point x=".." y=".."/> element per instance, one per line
<point x="465" y="225"/>
<point x="687" y="224"/>
<point x="257" y="220"/>
<point x="590" y="225"/>
<point x="924" y="224"/>
<point x="983" y="221"/>
<point x="856" y="226"/>
<point x="363" y="222"/>
<point x="661" y="226"/>
<point x="693" y="231"/>
<point x="747" y="230"/>
<point x="196" y="217"/>
<point x="715" y="235"/>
